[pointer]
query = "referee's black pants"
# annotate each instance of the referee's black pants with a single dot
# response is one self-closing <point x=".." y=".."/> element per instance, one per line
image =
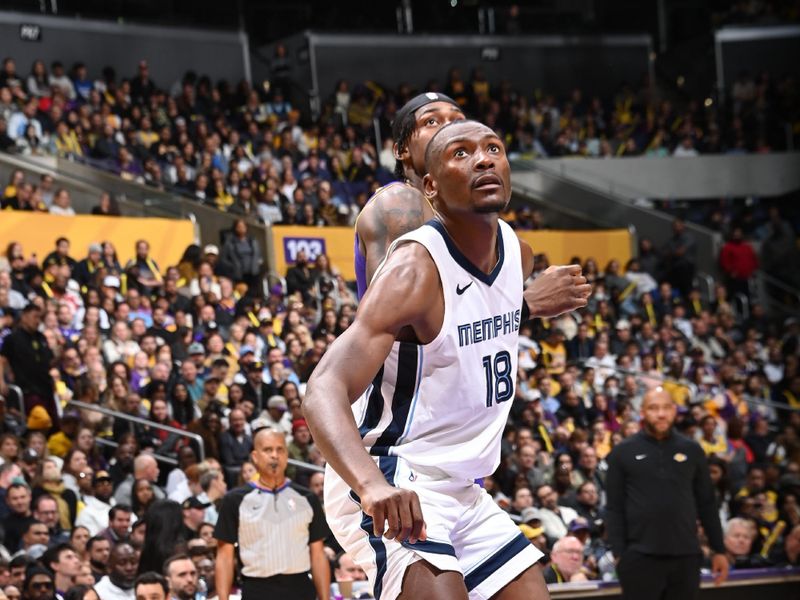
<point x="649" y="577"/>
<point x="297" y="586"/>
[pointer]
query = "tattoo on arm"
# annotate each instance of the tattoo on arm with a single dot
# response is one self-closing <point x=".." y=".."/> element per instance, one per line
<point x="400" y="221"/>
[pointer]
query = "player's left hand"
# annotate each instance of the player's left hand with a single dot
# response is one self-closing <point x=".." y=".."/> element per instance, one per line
<point x="559" y="289"/>
<point x="719" y="567"/>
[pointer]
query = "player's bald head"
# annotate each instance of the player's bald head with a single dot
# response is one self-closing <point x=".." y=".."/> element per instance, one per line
<point x="450" y="132"/>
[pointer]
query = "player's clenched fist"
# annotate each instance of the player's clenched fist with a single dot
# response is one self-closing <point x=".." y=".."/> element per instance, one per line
<point x="557" y="290"/>
<point x="396" y="507"/>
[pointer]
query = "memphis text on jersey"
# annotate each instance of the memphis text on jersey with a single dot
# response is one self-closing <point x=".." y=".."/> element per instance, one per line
<point x="488" y="329"/>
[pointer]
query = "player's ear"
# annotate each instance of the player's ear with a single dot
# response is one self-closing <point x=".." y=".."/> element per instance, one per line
<point x="398" y="152"/>
<point x="429" y="187"/>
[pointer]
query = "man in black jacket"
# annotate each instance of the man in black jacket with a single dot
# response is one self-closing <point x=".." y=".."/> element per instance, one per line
<point x="658" y="486"/>
<point x="26" y="351"/>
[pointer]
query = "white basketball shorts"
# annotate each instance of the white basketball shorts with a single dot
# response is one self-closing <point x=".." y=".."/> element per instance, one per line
<point x="466" y="532"/>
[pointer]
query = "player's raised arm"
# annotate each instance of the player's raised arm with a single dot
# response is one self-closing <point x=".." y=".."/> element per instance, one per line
<point x="402" y="298"/>
<point x="398" y="210"/>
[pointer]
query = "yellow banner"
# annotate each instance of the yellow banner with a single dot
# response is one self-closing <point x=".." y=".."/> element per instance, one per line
<point x="336" y="242"/>
<point x="560" y="246"/>
<point x="602" y="245"/>
<point x="38" y="232"/>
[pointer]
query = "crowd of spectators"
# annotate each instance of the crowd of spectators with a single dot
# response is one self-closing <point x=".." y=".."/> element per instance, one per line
<point x="200" y="346"/>
<point x="248" y="151"/>
<point x="203" y="346"/>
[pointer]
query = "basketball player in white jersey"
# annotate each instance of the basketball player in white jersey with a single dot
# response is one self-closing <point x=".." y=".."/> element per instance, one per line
<point x="435" y="348"/>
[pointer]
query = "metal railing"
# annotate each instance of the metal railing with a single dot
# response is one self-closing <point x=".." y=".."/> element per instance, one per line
<point x="775" y="295"/>
<point x="705" y="283"/>
<point x="153" y="425"/>
<point x="20" y="398"/>
<point x="141" y="421"/>
<point x="306" y="466"/>
<point x="159" y="457"/>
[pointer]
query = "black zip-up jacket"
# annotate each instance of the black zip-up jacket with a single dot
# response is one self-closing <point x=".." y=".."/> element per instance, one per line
<point x="656" y="491"/>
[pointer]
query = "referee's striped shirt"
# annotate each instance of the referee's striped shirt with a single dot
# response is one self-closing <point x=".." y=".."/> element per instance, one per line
<point x="272" y="527"/>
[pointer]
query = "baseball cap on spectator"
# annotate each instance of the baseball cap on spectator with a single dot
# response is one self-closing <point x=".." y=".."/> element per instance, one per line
<point x="111" y="281"/>
<point x="211" y="379"/>
<point x="38" y="418"/>
<point x="297" y="424"/>
<point x="196" y="348"/>
<point x="194" y="502"/>
<point x="255" y="366"/>
<point x="211" y="249"/>
<point x="623" y="324"/>
<point x="277" y="401"/>
<point x="530" y="514"/>
<point x="244" y="350"/>
<point x="35" y="552"/>
<point x="101" y="476"/>
<point x="71" y="415"/>
<point x="579" y="524"/>
<point x="259" y="423"/>
<point x="29" y="456"/>
<point x="530" y="532"/>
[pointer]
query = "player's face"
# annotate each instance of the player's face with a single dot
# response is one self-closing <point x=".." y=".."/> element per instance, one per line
<point x="469" y="170"/>
<point x="429" y="119"/>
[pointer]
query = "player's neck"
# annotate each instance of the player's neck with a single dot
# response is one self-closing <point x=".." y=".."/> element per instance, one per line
<point x="414" y="180"/>
<point x="475" y="235"/>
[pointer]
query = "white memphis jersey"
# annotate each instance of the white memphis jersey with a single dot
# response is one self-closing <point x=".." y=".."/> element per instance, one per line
<point x="442" y="406"/>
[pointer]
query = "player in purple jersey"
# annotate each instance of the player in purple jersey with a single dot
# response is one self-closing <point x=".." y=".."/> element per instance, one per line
<point x="400" y="207"/>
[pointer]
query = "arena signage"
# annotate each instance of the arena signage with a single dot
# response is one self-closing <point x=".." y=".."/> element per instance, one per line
<point x="30" y="32"/>
<point x="312" y="246"/>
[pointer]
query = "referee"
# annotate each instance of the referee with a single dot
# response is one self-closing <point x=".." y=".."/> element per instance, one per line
<point x="658" y="486"/>
<point x="279" y="528"/>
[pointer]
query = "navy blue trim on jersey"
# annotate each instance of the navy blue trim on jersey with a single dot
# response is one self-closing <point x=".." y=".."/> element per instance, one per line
<point x="380" y="553"/>
<point x="431" y="547"/>
<point x="495" y="561"/>
<point x="405" y="388"/>
<point x="374" y="410"/>
<point x="464" y="262"/>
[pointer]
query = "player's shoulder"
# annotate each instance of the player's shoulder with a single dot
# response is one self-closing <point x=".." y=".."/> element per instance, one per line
<point x="394" y="195"/>
<point x="409" y="272"/>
